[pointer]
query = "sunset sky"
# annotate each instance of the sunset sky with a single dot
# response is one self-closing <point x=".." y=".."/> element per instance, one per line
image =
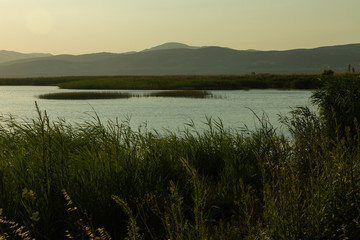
<point x="86" y="26"/>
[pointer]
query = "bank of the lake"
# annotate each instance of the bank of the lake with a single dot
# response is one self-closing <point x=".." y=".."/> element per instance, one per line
<point x="184" y="82"/>
<point x="97" y="180"/>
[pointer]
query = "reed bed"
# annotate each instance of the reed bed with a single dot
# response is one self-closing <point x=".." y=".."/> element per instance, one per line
<point x="185" y="82"/>
<point x="182" y="94"/>
<point x="115" y="95"/>
<point x="197" y="82"/>
<point x="98" y="180"/>
<point x="84" y="95"/>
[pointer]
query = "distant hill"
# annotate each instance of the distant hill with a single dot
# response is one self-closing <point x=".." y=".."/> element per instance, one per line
<point x="177" y="58"/>
<point x="7" y="56"/>
<point x="170" y="45"/>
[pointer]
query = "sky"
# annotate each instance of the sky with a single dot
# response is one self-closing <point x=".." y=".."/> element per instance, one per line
<point x="88" y="26"/>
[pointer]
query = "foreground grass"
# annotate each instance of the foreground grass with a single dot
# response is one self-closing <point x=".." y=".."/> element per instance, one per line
<point x="105" y="180"/>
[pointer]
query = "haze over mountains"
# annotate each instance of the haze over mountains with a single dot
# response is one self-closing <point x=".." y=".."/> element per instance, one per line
<point x="177" y="58"/>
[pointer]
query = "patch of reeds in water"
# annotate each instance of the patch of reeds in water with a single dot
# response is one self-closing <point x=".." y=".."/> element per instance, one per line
<point x="85" y="95"/>
<point x="183" y="94"/>
<point x="115" y="95"/>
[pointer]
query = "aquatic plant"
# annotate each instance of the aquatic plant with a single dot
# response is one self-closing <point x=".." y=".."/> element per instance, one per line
<point x="84" y="95"/>
<point x="182" y="93"/>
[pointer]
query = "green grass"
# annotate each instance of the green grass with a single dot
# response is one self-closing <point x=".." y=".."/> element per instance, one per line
<point x="217" y="82"/>
<point x="106" y="179"/>
<point x="183" y="82"/>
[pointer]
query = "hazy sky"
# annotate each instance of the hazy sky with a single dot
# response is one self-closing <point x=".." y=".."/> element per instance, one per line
<point x="85" y="26"/>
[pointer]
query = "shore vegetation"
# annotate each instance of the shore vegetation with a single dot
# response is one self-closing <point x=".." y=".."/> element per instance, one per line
<point x="185" y="82"/>
<point x="105" y="180"/>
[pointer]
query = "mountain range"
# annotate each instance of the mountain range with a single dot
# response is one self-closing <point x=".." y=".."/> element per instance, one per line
<point x="181" y="59"/>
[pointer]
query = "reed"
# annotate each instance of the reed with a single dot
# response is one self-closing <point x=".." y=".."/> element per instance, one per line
<point x="84" y="95"/>
<point x="181" y="82"/>
<point x="182" y="93"/>
<point x="216" y="183"/>
<point x="198" y="82"/>
<point x="115" y="95"/>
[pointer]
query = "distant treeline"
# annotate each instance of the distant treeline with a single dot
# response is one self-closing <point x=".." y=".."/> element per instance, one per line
<point x="185" y="82"/>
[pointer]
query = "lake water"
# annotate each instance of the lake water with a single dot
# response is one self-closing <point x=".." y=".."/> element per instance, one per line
<point x="232" y="107"/>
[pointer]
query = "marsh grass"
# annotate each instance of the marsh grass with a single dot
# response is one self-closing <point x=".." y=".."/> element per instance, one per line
<point x="115" y="95"/>
<point x="84" y="95"/>
<point x="182" y="94"/>
<point x="184" y="82"/>
<point x="180" y="82"/>
<point x="216" y="183"/>
<point x="197" y="82"/>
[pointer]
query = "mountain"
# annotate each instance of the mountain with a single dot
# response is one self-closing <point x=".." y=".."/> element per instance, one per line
<point x="170" y="45"/>
<point x="7" y="56"/>
<point x="176" y="58"/>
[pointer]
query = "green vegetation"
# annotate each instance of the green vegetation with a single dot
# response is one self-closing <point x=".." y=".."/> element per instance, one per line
<point x="96" y="180"/>
<point x="85" y="95"/>
<point x="114" y="95"/>
<point x="185" y="82"/>
<point x="217" y="82"/>
<point x="182" y="93"/>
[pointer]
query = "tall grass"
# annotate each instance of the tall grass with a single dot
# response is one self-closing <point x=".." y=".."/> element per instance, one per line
<point x="197" y="82"/>
<point x="182" y="93"/>
<point x="180" y="82"/>
<point x="114" y="95"/>
<point x="107" y="180"/>
<point x="84" y="95"/>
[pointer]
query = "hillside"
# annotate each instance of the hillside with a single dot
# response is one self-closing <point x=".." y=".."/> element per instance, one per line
<point x="175" y="58"/>
<point x="7" y="56"/>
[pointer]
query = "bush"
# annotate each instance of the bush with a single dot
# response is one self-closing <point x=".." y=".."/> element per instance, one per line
<point x="338" y="101"/>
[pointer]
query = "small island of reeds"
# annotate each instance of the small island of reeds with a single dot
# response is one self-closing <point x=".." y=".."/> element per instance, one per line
<point x="115" y="95"/>
<point x="84" y="95"/>
<point x="182" y="93"/>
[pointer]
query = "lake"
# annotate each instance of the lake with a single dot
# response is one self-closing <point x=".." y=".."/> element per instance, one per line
<point x="232" y="107"/>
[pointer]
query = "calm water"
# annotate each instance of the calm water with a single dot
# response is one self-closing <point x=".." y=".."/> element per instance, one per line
<point x="232" y="107"/>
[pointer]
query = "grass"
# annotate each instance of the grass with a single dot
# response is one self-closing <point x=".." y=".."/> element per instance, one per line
<point x="114" y="95"/>
<point x="84" y="95"/>
<point x="105" y="180"/>
<point x="182" y="93"/>
<point x="183" y="82"/>
<point x="217" y="82"/>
